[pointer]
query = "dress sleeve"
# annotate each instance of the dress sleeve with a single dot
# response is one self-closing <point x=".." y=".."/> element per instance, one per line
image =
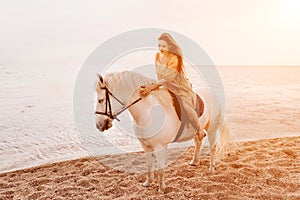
<point x="173" y="63"/>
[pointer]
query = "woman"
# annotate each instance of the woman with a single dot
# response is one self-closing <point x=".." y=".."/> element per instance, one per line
<point x="170" y="73"/>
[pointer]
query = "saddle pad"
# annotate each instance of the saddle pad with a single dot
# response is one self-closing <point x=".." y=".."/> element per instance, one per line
<point x="186" y="131"/>
<point x="199" y="106"/>
<point x="177" y="106"/>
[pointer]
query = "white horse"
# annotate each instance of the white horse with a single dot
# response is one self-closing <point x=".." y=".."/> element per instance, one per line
<point x="155" y="120"/>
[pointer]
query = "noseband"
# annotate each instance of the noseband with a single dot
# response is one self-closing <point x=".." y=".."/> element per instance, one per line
<point x="108" y="111"/>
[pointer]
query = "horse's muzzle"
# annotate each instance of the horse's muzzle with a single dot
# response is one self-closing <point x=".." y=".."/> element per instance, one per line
<point x="99" y="127"/>
<point x="107" y="124"/>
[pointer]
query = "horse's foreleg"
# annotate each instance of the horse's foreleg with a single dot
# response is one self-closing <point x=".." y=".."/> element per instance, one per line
<point x="213" y="158"/>
<point x="161" y="161"/>
<point x="197" y="143"/>
<point x="150" y="171"/>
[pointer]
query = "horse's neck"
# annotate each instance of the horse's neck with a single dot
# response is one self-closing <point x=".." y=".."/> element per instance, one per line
<point x="125" y="85"/>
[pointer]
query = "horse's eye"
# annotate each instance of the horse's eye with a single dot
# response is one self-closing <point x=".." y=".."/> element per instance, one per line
<point x="100" y="100"/>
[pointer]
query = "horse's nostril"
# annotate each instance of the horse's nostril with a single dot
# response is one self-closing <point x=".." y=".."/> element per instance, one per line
<point x="98" y="127"/>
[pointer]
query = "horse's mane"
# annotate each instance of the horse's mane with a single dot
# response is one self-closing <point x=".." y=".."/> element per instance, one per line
<point x="125" y="84"/>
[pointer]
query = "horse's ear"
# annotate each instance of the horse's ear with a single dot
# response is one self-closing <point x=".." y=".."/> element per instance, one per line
<point x="100" y="78"/>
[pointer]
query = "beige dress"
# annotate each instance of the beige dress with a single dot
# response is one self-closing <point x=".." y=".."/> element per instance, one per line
<point x="174" y="81"/>
<point x="170" y="77"/>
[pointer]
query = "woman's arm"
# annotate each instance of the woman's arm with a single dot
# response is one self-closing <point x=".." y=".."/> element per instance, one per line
<point x="168" y="77"/>
<point x="145" y="90"/>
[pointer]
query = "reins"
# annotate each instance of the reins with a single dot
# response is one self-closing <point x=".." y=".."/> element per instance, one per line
<point x="108" y="111"/>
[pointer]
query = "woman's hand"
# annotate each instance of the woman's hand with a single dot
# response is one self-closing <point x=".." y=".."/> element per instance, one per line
<point x="145" y="90"/>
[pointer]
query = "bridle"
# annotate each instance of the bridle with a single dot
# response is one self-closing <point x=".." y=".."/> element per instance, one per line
<point x="108" y="111"/>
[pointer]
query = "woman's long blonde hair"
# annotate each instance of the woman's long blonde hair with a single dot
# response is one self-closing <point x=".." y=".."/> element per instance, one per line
<point x="174" y="49"/>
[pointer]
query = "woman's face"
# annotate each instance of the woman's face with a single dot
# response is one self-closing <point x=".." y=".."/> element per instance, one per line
<point x="163" y="47"/>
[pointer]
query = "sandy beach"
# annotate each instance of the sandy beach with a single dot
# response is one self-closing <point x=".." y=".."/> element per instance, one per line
<point x="265" y="169"/>
<point x="42" y="156"/>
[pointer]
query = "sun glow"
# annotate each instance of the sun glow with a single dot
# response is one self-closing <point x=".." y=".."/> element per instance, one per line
<point x="289" y="12"/>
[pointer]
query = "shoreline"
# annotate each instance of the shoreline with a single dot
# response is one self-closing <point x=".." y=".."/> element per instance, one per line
<point x="88" y="155"/>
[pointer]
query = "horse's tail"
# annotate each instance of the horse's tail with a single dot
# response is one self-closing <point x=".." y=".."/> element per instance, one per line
<point x="225" y="143"/>
<point x="224" y="139"/>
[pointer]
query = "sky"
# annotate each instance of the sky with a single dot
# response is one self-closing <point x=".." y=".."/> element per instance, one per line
<point x="232" y="32"/>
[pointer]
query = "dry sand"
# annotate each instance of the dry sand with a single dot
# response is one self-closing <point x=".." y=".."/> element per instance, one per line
<point x="265" y="169"/>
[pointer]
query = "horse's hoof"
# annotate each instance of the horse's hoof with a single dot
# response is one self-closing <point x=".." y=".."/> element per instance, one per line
<point x="212" y="168"/>
<point x="193" y="163"/>
<point x="146" y="184"/>
<point x="161" y="191"/>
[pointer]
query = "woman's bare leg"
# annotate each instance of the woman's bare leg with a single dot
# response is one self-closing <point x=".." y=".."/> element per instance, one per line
<point x="193" y="118"/>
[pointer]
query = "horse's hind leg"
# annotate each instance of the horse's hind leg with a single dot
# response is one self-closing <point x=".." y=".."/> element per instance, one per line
<point x="212" y="137"/>
<point x="161" y="161"/>
<point x="197" y="143"/>
<point x="150" y="171"/>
